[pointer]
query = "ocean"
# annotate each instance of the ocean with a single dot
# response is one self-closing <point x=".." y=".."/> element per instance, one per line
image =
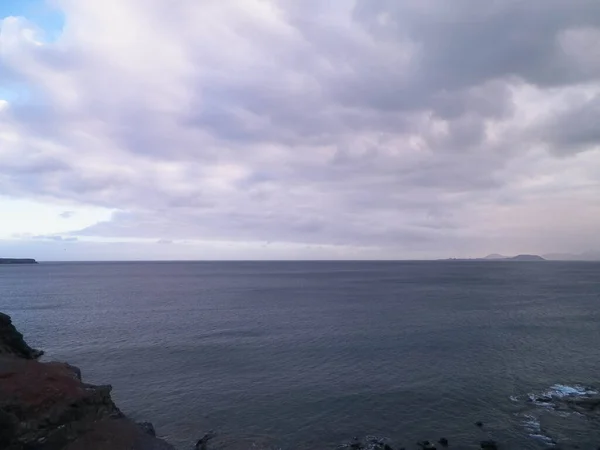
<point x="307" y="355"/>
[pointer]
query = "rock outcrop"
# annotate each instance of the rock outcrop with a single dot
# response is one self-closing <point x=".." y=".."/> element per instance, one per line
<point x="12" y="342"/>
<point x="46" y="406"/>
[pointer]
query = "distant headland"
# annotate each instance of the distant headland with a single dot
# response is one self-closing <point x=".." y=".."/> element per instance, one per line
<point x="17" y="261"/>
<point x="496" y="257"/>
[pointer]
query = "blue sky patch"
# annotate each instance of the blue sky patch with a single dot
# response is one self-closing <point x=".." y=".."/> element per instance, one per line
<point x="42" y="13"/>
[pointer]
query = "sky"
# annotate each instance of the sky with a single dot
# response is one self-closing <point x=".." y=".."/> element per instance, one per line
<point x="287" y="129"/>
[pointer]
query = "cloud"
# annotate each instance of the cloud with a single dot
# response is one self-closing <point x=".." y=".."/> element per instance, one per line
<point x="67" y="214"/>
<point x="423" y="128"/>
<point x="575" y="128"/>
<point x="55" y="238"/>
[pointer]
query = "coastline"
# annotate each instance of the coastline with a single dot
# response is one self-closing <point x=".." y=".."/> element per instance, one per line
<point x="47" y="405"/>
<point x="18" y="261"/>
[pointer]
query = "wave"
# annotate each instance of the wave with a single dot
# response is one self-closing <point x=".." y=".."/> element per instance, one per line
<point x="550" y="401"/>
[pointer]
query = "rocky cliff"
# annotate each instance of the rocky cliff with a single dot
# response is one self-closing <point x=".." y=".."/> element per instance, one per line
<point x="46" y="405"/>
<point x="12" y="342"/>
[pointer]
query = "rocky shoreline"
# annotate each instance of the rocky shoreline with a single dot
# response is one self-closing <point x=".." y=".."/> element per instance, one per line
<point x="47" y="406"/>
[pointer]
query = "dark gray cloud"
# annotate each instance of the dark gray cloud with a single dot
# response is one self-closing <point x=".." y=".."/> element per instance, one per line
<point x="466" y="43"/>
<point x="408" y="125"/>
<point x="575" y="129"/>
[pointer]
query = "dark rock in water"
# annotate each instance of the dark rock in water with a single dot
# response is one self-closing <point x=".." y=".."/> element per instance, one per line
<point x="12" y="342"/>
<point x="443" y="442"/>
<point x="489" y="445"/>
<point x="376" y="443"/>
<point x="426" y="445"/>
<point x="479" y="424"/>
<point x="147" y="427"/>
<point x="368" y="443"/>
<point x="356" y="444"/>
<point x="202" y="443"/>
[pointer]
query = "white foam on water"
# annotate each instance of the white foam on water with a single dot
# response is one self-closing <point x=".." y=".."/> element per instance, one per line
<point x="532" y="424"/>
<point x="514" y="398"/>
<point x="563" y="390"/>
<point x="559" y="391"/>
<point x="543" y="438"/>
<point x="533" y="427"/>
<point x="551" y="399"/>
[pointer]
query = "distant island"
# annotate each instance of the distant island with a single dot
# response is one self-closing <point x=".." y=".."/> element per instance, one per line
<point x="525" y="258"/>
<point x="17" y="261"/>
<point x="496" y="257"/>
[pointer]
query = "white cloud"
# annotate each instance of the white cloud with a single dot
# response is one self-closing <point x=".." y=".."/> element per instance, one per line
<point x="358" y="124"/>
<point x="27" y="218"/>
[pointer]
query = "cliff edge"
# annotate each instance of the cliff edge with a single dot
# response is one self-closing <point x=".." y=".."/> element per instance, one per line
<point x="46" y="406"/>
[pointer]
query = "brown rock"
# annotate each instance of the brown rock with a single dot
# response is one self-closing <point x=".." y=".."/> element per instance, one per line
<point x="120" y="434"/>
<point x="46" y="406"/>
<point x="50" y="404"/>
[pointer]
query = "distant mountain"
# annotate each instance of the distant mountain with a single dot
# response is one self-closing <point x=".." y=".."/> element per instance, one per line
<point x="526" y="258"/>
<point x="591" y="255"/>
<point x="495" y="256"/>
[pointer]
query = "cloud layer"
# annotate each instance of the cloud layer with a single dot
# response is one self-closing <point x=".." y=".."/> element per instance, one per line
<point x="421" y="128"/>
